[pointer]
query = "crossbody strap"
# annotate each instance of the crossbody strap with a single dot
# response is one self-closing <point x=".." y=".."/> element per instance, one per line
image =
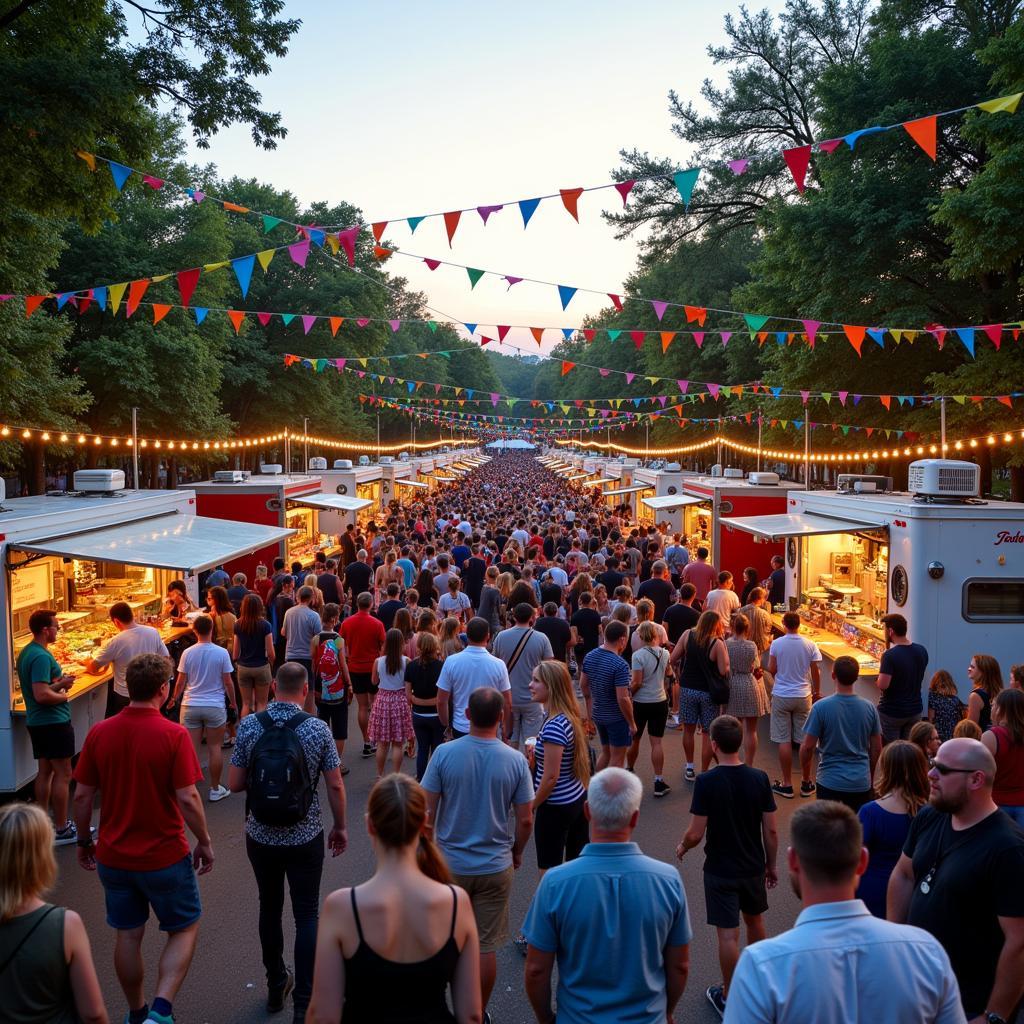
<point x="523" y="640"/>
<point x="27" y="936"/>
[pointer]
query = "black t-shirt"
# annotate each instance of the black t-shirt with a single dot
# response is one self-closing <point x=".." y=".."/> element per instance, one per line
<point x="550" y="592"/>
<point x="906" y="663"/>
<point x="423" y="677"/>
<point x="549" y="548"/>
<point x="278" y="607"/>
<point x="327" y="582"/>
<point x="473" y="577"/>
<point x="252" y="647"/>
<point x="386" y="612"/>
<point x="588" y="625"/>
<point x="777" y="587"/>
<point x="978" y="879"/>
<point x="733" y="798"/>
<point x="610" y="579"/>
<point x="358" y="578"/>
<point x="557" y="631"/>
<point x="658" y="591"/>
<point x="678" y="618"/>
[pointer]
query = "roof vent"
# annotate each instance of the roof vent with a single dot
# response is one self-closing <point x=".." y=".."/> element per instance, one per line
<point x="943" y="478"/>
<point x="99" y="481"/>
<point x="272" y="469"/>
<point x="230" y="476"/>
<point x="364" y="460"/>
<point x="763" y="479"/>
<point x="716" y="469"/>
<point x="863" y="483"/>
<point x="672" y="467"/>
<point x="317" y="464"/>
<point x="732" y="474"/>
<point x="342" y="463"/>
<point x="387" y="460"/>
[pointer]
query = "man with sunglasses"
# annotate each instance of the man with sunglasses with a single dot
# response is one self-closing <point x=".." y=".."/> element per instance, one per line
<point x="959" y="877"/>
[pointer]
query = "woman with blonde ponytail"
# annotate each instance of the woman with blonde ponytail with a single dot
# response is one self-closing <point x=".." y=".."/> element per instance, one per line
<point x="388" y="950"/>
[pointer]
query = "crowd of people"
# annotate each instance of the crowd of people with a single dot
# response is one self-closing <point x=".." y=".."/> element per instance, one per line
<point x="507" y="642"/>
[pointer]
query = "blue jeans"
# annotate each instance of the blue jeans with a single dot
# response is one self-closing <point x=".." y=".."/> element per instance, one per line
<point x="429" y="736"/>
<point x="302" y="866"/>
<point x="1016" y="813"/>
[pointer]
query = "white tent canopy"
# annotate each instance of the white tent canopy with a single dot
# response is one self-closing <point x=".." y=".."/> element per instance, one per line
<point x="513" y="444"/>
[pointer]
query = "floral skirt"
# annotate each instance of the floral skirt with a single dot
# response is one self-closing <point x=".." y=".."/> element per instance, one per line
<point x="747" y="697"/>
<point x="391" y="717"/>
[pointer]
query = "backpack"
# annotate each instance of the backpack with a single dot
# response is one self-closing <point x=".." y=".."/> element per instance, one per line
<point x="328" y="666"/>
<point x="278" y="786"/>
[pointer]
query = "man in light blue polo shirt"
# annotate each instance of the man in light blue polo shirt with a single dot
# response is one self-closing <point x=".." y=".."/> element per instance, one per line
<point x="465" y="672"/>
<point x="615" y="921"/>
<point x="839" y="963"/>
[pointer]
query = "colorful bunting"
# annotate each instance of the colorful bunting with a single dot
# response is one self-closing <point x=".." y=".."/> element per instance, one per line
<point x="570" y="197"/>
<point x="684" y="182"/>
<point x="528" y="207"/>
<point x="923" y="132"/>
<point x="135" y="292"/>
<point x="797" y="160"/>
<point x="119" y="173"/>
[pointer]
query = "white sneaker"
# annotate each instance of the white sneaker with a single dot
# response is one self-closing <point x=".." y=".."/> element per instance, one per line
<point x="219" y="794"/>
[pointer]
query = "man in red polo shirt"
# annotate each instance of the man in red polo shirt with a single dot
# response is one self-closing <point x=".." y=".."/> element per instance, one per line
<point x="364" y="641"/>
<point x="147" y="771"/>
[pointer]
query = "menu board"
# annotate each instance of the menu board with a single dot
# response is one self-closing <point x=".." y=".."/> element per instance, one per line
<point x="30" y="585"/>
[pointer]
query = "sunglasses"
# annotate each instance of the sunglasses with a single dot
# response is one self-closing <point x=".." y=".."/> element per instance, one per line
<point x="945" y="769"/>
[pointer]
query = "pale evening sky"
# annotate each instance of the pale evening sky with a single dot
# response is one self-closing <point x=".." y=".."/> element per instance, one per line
<point x="407" y="108"/>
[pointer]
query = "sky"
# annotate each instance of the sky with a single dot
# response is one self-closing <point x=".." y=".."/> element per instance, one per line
<point x="405" y="109"/>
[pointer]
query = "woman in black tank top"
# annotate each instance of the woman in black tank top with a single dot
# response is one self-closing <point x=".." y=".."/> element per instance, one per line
<point x="390" y="953"/>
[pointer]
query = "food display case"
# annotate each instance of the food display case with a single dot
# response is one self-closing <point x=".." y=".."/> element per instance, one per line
<point x="77" y="555"/>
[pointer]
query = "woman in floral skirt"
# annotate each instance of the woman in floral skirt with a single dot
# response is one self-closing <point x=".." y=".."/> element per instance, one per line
<point x="748" y="700"/>
<point x="390" y="717"/>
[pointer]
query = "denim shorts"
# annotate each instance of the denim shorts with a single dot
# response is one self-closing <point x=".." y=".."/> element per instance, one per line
<point x="172" y="892"/>
<point x="198" y="716"/>
<point x="614" y="734"/>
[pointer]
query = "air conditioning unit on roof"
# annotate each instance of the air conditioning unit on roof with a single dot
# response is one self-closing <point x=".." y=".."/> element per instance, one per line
<point x="317" y="464"/>
<point x="732" y="473"/>
<point x="863" y="483"/>
<point x="99" y="481"/>
<point x="763" y="479"/>
<point x="272" y="469"/>
<point x="941" y="478"/>
<point x="230" y="476"/>
<point x="342" y="463"/>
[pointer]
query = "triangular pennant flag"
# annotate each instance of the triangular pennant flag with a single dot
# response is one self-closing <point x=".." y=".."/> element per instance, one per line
<point x="713" y="390"/>
<point x="738" y="166"/>
<point x="196" y="196"/>
<point x="264" y="318"/>
<point x="638" y="337"/>
<point x="570" y="197"/>
<point x="100" y="295"/>
<point x="616" y="301"/>
<point x="209" y="268"/>
<point x="158" y="183"/>
<point x="855" y="335"/>
<point x="811" y="327"/>
<point x="1006" y="400"/>
<point x="966" y="335"/>
<point x="451" y="222"/>
<point x="830" y="145"/>
<point x="265" y="257"/>
<point x="1008" y="104"/>
<point x="119" y="173"/>
<point x="566" y="366"/>
<point x="698" y="337"/>
<point x="565" y="294"/>
<point x="797" y="160"/>
<point x="684" y="182"/>
<point x="877" y="336"/>
<point x="432" y="324"/>
<point x="135" y="292"/>
<point x="335" y="322"/>
<point x="236" y="316"/>
<point x="474" y="276"/>
<point x="755" y="322"/>
<point x="414" y="223"/>
<point x="503" y="329"/>
<point x="624" y="188"/>
<point x="89" y="159"/>
<point x="269" y="223"/>
<point x="613" y="334"/>
<point x="486" y="211"/>
<point x="538" y="333"/>
<point x="512" y="280"/>
<point x="200" y="312"/>
<point x="666" y="339"/>
<point x="187" y="281"/>
<point x="317" y="237"/>
<point x="659" y="308"/>
<point x="589" y="334"/>
<point x="431" y="264"/>
<point x="804" y="396"/>
<point x="726" y="335"/>
<point x="567" y="332"/>
<point x="299" y="252"/>
<point x="923" y="132"/>
<point x="160" y="311"/>
<point x="698" y="313"/>
<point x="307" y="323"/>
<point x="347" y="240"/>
<point x="62" y="300"/>
<point x="243" y="271"/>
<point x="232" y="207"/>
<point x="287" y="318"/>
<point x="854" y="137"/>
<point x="116" y="294"/>
<point x="842" y="397"/>
<point x="528" y="207"/>
<point x="32" y="303"/>
<point x="886" y="400"/>
<point x="378" y="229"/>
<point x="994" y="333"/>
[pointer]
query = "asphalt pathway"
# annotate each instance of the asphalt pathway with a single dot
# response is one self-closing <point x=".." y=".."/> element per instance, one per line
<point x="226" y="982"/>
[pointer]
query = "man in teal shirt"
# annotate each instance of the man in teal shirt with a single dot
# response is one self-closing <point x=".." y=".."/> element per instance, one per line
<point x="45" y="691"/>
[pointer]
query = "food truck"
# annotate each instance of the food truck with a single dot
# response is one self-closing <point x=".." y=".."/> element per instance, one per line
<point x="80" y="552"/>
<point x="952" y="564"/>
<point x="711" y="501"/>
<point x="308" y="506"/>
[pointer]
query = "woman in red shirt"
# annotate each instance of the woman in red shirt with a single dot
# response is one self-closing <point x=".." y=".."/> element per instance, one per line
<point x="1006" y="742"/>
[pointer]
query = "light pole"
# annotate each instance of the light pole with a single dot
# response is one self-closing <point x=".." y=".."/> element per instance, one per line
<point x="305" y="444"/>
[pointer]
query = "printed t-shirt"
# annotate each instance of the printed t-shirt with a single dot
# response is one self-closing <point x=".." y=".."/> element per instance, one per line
<point x="138" y="760"/>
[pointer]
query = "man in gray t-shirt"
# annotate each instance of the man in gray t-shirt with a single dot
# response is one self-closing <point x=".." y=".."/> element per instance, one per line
<point x="473" y="785"/>
<point x="301" y="624"/>
<point x="848" y="734"/>
<point x="523" y="648"/>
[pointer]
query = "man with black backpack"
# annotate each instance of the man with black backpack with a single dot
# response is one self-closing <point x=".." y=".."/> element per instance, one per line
<point x="279" y="757"/>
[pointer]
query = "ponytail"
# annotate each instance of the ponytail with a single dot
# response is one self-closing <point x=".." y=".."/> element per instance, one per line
<point x="431" y="861"/>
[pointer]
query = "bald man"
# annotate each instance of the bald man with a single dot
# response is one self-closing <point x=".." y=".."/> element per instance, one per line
<point x="959" y="877"/>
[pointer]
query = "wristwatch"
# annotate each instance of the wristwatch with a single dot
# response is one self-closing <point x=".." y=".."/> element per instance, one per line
<point x="993" y="1018"/>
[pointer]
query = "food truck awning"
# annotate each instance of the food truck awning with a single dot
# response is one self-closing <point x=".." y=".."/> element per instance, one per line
<point x="664" y="501"/>
<point x="635" y="489"/>
<point x="332" y="502"/>
<point x="410" y="483"/>
<point x="445" y="479"/>
<point x="175" y="541"/>
<point x="602" y="481"/>
<point x="800" y="524"/>
<point x="577" y="476"/>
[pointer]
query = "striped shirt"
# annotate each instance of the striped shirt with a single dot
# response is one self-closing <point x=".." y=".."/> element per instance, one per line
<point x="568" y="789"/>
<point x="606" y="671"/>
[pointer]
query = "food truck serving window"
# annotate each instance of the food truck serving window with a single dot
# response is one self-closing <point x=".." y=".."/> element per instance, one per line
<point x="993" y="600"/>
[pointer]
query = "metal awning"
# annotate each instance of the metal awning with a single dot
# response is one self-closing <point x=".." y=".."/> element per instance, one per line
<point x="176" y="542"/>
<point x="635" y="489"/>
<point x="446" y="479"/>
<point x="800" y="524"/>
<point x="578" y="476"/>
<point x="601" y="481"/>
<point x="332" y="502"/>
<point x="665" y="501"/>
<point x="410" y="483"/>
